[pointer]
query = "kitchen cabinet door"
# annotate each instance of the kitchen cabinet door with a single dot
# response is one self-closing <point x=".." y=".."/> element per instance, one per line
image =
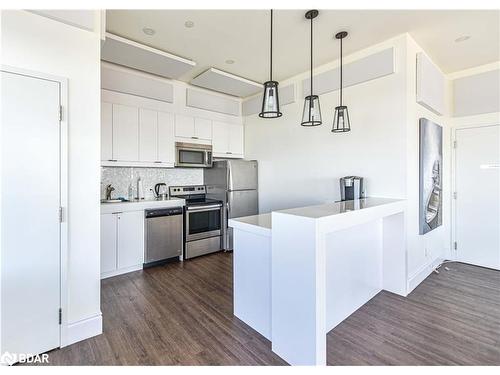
<point x="148" y="134"/>
<point x="130" y="239"/>
<point x="166" y="138"/>
<point x="125" y="133"/>
<point x="106" y="131"/>
<point x="220" y="137"/>
<point x="108" y="242"/>
<point x="202" y="128"/>
<point x="236" y="140"/>
<point x="184" y="126"/>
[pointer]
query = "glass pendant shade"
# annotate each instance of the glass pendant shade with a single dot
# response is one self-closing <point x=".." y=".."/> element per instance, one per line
<point x="341" y="122"/>
<point x="311" y="115"/>
<point x="270" y="101"/>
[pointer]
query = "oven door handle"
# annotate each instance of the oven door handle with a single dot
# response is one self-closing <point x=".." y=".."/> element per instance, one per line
<point x="204" y="208"/>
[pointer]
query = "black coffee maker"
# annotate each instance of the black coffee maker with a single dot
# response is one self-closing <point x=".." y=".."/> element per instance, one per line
<point x="351" y="187"/>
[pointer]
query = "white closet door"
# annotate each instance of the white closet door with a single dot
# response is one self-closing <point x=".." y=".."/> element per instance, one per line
<point x="166" y="141"/>
<point x="148" y="130"/>
<point x="478" y="196"/>
<point x="30" y="228"/>
<point x="125" y="133"/>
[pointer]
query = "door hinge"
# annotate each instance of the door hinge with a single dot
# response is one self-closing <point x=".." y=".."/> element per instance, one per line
<point x="454" y="195"/>
<point x="60" y="214"/>
<point x="454" y="144"/>
<point x="60" y="316"/>
<point x="60" y="113"/>
<point x="455" y="246"/>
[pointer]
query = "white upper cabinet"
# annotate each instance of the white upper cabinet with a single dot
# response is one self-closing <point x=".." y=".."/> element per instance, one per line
<point x="125" y="133"/>
<point x="166" y="138"/>
<point x="184" y="126"/>
<point x="193" y="128"/>
<point x="220" y="141"/>
<point x="136" y="137"/>
<point x="202" y="128"/>
<point x="236" y="139"/>
<point x="148" y="135"/>
<point x="227" y="140"/>
<point x="106" y="131"/>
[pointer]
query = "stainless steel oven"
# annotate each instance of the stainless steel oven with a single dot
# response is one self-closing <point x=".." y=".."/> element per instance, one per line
<point x="203" y="225"/>
<point x="193" y="155"/>
<point x="203" y="221"/>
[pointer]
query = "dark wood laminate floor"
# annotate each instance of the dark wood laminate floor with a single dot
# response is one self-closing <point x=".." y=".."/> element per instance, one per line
<point x="181" y="314"/>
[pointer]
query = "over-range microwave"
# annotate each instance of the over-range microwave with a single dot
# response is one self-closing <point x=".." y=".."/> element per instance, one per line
<point x="193" y="155"/>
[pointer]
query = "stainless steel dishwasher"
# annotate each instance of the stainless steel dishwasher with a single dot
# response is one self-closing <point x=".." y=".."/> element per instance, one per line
<point x="164" y="235"/>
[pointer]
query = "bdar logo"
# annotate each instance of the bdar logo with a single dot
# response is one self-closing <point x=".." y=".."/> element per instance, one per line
<point x="8" y="359"/>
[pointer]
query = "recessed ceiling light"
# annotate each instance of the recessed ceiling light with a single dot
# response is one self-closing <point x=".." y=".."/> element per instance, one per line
<point x="148" y="31"/>
<point x="189" y="24"/>
<point x="462" y="39"/>
<point x="229" y="61"/>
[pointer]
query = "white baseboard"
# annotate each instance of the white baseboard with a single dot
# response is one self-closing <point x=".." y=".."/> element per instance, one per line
<point x="83" y="329"/>
<point x="421" y="274"/>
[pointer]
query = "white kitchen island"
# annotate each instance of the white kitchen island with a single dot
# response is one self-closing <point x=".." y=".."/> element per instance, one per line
<point x="318" y="265"/>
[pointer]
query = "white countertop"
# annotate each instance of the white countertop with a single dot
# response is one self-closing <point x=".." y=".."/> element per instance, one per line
<point x="260" y="223"/>
<point x="338" y="208"/>
<point x="109" y="208"/>
<point x="263" y="222"/>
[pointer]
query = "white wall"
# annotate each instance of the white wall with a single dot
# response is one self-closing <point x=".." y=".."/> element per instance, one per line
<point x="301" y="166"/>
<point x="33" y="42"/>
<point x="423" y="250"/>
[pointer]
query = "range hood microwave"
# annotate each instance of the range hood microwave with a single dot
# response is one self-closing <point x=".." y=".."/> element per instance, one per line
<point x="193" y="155"/>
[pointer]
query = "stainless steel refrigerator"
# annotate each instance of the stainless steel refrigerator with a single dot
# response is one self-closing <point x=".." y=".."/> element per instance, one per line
<point x="235" y="183"/>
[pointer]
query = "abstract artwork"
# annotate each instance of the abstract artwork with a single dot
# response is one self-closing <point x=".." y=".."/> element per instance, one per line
<point x="431" y="179"/>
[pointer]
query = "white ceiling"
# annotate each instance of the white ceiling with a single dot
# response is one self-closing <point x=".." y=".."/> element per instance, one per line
<point x="243" y="36"/>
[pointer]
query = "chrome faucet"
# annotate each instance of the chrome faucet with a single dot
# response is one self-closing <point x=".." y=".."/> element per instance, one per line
<point x="109" y="190"/>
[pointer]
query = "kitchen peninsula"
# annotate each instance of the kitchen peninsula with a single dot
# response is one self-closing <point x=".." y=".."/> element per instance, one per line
<point x="324" y="262"/>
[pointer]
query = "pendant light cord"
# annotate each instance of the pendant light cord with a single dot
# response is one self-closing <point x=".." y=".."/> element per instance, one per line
<point x="311" y="58"/>
<point x="271" y="68"/>
<point x="341" y="71"/>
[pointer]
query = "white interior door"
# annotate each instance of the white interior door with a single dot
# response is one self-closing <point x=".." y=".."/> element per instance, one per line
<point x="477" y="212"/>
<point x="30" y="227"/>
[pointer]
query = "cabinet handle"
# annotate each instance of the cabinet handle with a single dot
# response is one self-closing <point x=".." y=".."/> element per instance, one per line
<point x="117" y="213"/>
<point x="228" y="152"/>
<point x="194" y="137"/>
<point x="112" y="160"/>
<point x="158" y="161"/>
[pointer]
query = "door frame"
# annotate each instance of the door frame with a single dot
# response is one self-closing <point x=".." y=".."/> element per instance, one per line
<point x="453" y="238"/>
<point x="63" y="189"/>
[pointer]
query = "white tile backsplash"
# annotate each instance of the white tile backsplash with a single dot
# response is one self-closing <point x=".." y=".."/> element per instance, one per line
<point x="120" y="178"/>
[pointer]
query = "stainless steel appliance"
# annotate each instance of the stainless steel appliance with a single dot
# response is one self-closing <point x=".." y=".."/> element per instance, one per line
<point x="235" y="183"/>
<point x="163" y="235"/>
<point x="351" y="187"/>
<point x="160" y="191"/>
<point x="193" y="155"/>
<point x="202" y="220"/>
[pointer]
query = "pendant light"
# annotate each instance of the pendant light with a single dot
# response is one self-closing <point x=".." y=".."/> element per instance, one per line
<point x="341" y="122"/>
<point x="270" y="101"/>
<point x="311" y="115"/>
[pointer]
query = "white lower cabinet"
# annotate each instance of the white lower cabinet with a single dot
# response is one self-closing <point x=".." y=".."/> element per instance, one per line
<point x="227" y="140"/>
<point x="122" y="242"/>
